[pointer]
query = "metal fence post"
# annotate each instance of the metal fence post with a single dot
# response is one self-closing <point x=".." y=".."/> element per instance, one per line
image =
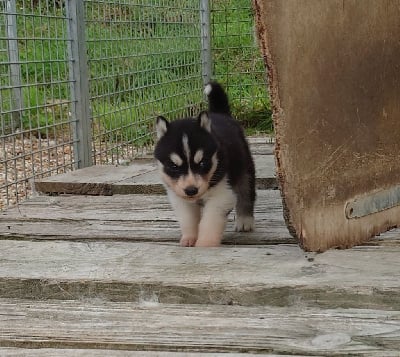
<point x="79" y="79"/>
<point x="205" y="25"/>
<point x="15" y="68"/>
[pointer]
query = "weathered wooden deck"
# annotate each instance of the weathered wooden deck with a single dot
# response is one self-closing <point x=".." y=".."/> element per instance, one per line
<point x="104" y="276"/>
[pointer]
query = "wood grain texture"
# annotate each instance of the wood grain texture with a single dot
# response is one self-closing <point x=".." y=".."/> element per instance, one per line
<point x="141" y="177"/>
<point x="128" y="217"/>
<point x="94" y="180"/>
<point x="337" y="137"/>
<point x="191" y="328"/>
<point x="280" y="275"/>
<point x="71" y="352"/>
<point x="104" y="276"/>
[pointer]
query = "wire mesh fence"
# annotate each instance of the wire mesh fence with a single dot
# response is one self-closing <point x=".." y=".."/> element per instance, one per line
<point x="34" y="91"/>
<point x="81" y="82"/>
<point x="144" y="59"/>
<point x="237" y="63"/>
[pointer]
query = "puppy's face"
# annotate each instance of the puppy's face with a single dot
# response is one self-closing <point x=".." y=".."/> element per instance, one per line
<point x="187" y="155"/>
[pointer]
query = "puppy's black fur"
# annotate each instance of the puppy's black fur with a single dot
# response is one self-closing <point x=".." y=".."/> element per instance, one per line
<point x="205" y="158"/>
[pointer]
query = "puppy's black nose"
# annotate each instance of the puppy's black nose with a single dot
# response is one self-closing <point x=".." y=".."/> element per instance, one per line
<point x="191" y="191"/>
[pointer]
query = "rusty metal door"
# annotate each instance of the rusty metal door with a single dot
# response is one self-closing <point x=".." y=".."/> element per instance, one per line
<point x="334" y="75"/>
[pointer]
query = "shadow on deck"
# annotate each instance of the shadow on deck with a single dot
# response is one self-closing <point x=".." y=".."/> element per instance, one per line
<point x="85" y="275"/>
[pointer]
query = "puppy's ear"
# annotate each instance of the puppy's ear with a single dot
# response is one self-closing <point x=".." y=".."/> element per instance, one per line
<point x="161" y="126"/>
<point x="204" y="121"/>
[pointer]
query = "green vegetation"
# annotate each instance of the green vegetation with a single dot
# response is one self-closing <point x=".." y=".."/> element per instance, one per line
<point x="238" y="64"/>
<point x="143" y="61"/>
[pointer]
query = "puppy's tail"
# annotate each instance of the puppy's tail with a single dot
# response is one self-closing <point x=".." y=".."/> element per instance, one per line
<point x="217" y="99"/>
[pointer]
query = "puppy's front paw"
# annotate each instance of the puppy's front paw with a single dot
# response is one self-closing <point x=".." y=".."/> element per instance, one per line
<point x="188" y="241"/>
<point x="244" y="224"/>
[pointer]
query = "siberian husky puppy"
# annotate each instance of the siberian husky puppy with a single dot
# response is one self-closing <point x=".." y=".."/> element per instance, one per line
<point x="207" y="169"/>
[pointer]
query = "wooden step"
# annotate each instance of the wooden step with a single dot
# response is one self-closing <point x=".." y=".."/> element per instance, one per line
<point x="72" y="352"/>
<point x="142" y="177"/>
<point x="121" y="246"/>
<point x="104" y="276"/>
<point x="128" y="217"/>
<point x="278" y="275"/>
<point x="101" y="326"/>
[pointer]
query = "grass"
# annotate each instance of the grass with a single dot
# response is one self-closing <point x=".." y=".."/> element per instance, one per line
<point x="143" y="61"/>
<point x="239" y="65"/>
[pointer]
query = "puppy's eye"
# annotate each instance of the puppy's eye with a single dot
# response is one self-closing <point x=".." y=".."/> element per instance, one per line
<point x="172" y="169"/>
<point x="172" y="165"/>
<point x="204" y="165"/>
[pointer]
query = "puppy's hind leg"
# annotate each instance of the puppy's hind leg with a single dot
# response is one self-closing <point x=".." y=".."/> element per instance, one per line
<point x="246" y="195"/>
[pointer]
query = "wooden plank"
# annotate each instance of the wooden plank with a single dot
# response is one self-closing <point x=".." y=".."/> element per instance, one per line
<point x="93" y="180"/>
<point x="150" y="183"/>
<point x="144" y="218"/>
<point x="128" y="217"/>
<point x="261" y="145"/>
<point x="139" y="178"/>
<point x="136" y="232"/>
<point x="61" y="352"/>
<point x="133" y="207"/>
<point x="280" y="275"/>
<point x="265" y="172"/>
<point x="193" y="328"/>
<point x="336" y="119"/>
